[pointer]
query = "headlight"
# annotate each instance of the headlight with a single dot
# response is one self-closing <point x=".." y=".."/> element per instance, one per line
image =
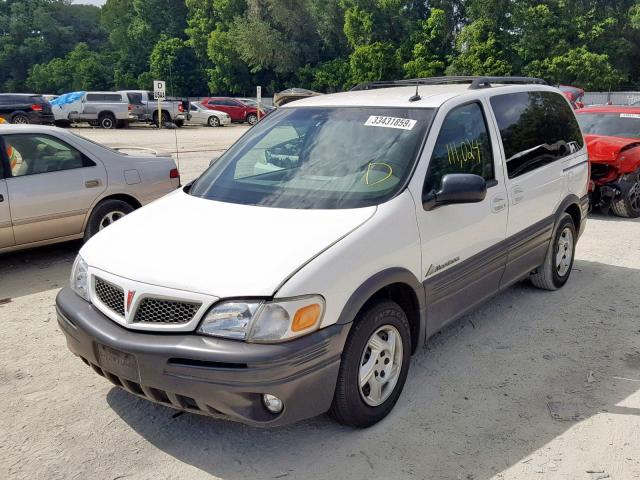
<point x="264" y="322"/>
<point x="80" y="278"/>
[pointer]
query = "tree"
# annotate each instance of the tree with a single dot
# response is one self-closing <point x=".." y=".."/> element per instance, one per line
<point x="81" y="69"/>
<point x="175" y="61"/>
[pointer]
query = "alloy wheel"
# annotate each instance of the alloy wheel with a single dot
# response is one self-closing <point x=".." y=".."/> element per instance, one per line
<point x="380" y="365"/>
<point x="110" y="218"/>
<point x="564" y="252"/>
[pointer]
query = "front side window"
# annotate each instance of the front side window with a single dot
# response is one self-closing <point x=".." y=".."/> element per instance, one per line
<point x="625" y="125"/>
<point x="31" y="154"/>
<point x="537" y="128"/>
<point x="319" y="158"/>
<point x="463" y="146"/>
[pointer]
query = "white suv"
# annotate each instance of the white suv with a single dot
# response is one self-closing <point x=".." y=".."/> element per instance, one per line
<point x="301" y="270"/>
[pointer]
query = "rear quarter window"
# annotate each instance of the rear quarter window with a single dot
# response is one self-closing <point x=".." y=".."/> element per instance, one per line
<point x="536" y="128"/>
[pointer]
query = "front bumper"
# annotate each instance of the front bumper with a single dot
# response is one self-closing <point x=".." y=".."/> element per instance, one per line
<point x="216" y="377"/>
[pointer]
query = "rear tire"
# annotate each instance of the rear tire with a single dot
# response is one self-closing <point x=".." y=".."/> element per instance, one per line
<point x="179" y="123"/>
<point x="558" y="262"/>
<point x="213" y="121"/>
<point x="104" y="214"/>
<point x="252" y="119"/>
<point x="107" y="121"/>
<point x="20" y="119"/>
<point x="374" y="366"/>
<point x="627" y="205"/>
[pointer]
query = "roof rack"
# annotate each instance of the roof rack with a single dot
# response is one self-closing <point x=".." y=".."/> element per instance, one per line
<point x="475" y="82"/>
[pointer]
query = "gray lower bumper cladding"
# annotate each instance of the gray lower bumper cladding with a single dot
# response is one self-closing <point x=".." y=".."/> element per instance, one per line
<point x="216" y="377"/>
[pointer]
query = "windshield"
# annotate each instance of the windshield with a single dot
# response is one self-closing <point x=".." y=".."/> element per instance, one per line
<point x="611" y="124"/>
<point x="319" y="158"/>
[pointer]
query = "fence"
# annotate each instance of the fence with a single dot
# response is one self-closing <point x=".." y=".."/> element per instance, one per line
<point x="612" y="98"/>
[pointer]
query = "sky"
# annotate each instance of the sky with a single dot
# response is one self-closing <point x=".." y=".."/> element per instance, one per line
<point x="90" y="2"/>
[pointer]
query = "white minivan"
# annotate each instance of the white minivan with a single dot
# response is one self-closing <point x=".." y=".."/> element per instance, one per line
<point x="329" y="243"/>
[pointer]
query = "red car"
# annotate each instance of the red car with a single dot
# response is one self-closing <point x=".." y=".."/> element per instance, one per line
<point x="238" y="111"/>
<point x="612" y="134"/>
<point x="574" y="95"/>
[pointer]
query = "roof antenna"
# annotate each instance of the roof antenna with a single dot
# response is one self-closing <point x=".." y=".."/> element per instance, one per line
<point x="417" y="96"/>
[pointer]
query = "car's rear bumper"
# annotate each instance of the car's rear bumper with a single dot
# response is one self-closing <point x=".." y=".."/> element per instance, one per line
<point x="207" y="375"/>
<point x="41" y="118"/>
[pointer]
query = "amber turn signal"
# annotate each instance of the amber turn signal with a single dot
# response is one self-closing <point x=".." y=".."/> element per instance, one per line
<point x="306" y="317"/>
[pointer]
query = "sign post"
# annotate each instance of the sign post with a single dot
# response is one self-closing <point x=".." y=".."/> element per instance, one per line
<point x="259" y="95"/>
<point x="159" y="93"/>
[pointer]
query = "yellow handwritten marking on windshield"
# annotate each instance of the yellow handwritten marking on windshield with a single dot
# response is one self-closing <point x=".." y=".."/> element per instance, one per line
<point x="467" y="151"/>
<point x="370" y="167"/>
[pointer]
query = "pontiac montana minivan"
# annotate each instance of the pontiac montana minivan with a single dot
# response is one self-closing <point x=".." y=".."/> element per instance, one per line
<point x="328" y="244"/>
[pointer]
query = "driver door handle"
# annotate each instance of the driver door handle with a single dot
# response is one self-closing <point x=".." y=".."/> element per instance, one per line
<point x="498" y="203"/>
<point x="92" y="183"/>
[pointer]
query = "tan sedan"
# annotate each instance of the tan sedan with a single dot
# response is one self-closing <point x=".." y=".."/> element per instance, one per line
<point x="57" y="186"/>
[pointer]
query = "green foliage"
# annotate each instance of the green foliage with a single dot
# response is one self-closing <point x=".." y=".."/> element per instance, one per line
<point x="230" y="46"/>
<point x="377" y="61"/>
<point x="81" y="69"/>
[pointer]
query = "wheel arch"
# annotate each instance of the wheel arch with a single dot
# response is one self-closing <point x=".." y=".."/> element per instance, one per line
<point x="131" y="200"/>
<point x="571" y="205"/>
<point x="398" y="285"/>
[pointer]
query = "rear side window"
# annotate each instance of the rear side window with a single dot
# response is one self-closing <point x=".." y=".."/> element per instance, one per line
<point x="94" y="97"/>
<point x="112" y="97"/>
<point x="463" y="146"/>
<point x="537" y="128"/>
<point x="135" y="98"/>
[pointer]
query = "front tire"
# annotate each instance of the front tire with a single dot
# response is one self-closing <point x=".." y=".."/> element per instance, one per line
<point x="105" y="214"/>
<point x="558" y="262"/>
<point x="213" y="121"/>
<point x="627" y="205"/>
<point x="374" y="366"/>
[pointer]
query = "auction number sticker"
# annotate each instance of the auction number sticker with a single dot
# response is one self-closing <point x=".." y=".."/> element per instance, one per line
<point x="630" y="115"/>
<point x="391" y="122"/>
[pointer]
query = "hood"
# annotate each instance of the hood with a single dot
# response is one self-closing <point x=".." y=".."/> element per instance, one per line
<point x="217" y="248"/>
<point x="603" y="149"/>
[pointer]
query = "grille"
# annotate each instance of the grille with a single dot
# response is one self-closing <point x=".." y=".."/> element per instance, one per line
<point x="154" y="310"/>
<point x="111" y="296"/>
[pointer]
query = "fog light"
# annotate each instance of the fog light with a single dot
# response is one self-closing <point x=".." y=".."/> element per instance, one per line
<point x="273" y="403"/>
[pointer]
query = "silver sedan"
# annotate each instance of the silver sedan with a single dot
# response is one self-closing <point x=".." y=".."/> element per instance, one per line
<point x="203" y="116"/>
<point x="57" y="186"/>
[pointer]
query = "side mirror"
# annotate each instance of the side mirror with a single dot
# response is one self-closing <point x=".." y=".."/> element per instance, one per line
<point x="456" y="188"/>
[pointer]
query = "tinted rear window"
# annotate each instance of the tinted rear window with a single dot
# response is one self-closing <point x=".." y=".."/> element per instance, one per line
<point x="537" y="128"/>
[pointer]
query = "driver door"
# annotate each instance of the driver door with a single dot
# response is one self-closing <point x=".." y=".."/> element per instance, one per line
<point x="461" y="243"/>
<point x="51" y="185"/>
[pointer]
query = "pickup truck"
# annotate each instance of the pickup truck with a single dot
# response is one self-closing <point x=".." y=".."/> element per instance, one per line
<point x="145" y="107"/>
<point x="100" y="109"/>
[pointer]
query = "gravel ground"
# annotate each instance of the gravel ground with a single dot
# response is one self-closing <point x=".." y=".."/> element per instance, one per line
<point x="477" y="405"/>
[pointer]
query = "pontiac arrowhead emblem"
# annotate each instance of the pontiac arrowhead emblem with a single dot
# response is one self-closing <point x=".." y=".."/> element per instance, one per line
<point x="130" y="295"/>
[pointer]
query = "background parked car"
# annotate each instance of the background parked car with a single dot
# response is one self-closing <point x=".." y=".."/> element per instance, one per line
<point x="612" y="134"/>
<point x="23" y="108"/>
<point x="238" y="111"/>
<point x="57" y="186"/>
<point x="146" y="107"/>
<point x="200" y="115"/>
<point x="100" y="109"/>
<point x="250" y="102"/>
